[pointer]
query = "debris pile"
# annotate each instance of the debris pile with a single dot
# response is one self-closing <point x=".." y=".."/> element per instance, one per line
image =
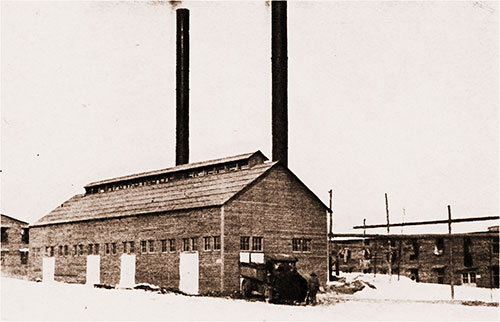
<point x="343" y="286"/>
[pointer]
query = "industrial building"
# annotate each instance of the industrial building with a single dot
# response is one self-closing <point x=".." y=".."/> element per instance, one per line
<point x="15" y="239"/>
<point x="185" y="227"/>
<point x="188" y="227"/>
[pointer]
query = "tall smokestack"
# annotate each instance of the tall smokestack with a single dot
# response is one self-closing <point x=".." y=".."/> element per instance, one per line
<point x="182" y="90"/>
<point x="279" y="81"/>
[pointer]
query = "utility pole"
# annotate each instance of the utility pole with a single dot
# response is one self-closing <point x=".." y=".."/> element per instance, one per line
<point x="330" y="255"/>
<point x="451" y="254"/>
<point x="387" y="214"/>
<point x="404" y="215"/>
<point x="389" y="253"/>
<point x="331" y="210"/>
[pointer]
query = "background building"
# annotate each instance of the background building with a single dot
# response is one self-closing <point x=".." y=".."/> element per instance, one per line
<point x="15" y="239"/>
<point x="472" y="258"/>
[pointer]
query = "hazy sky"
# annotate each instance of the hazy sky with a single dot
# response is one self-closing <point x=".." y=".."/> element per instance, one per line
<point x="396" y="97"/>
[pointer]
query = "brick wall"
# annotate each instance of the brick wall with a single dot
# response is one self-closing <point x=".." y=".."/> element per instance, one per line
<point x="158" y="268"/>
<point x="428" y="261"/>
<point x="10" y="256"/>
<point x="277" y="208"/>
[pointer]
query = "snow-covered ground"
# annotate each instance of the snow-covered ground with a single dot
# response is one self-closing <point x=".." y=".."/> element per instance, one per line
<point x="389" y="288"/>
<point x="24" y="300"/>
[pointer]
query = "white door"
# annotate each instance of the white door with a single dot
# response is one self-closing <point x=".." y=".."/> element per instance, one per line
<point x="127" y="271"/>
<point x="188" y="273"/>
<point x="93" y="269"/>
<point x="48" y="268"/>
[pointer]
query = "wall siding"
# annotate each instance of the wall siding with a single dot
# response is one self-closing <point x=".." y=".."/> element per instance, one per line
<point x="483" y="258"/>
<point x="277" y="208"/>
<point x="157" y="268"/>
<point x="10" y="255"/>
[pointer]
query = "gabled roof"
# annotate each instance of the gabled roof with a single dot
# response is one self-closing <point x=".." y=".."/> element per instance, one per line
<point x="211" y="189"/>
<point x="5" y="217"/>
<point x="181" y="194"/>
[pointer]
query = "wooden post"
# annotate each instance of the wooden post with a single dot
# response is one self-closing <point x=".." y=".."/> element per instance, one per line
<point x="491" y="273"/>
<point x="389" y="247"/>
<point x="331" y="210"/>
<point x="451" y="254"/>
<point x="387" y="213"/>
<point x="404" y="213"/>
<point x="364" y="229"/>
<point x="399" y="259"/>
<point x="329" y="248"/>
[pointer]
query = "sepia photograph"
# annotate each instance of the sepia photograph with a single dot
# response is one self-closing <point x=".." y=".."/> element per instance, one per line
<point x="249" y="160"/>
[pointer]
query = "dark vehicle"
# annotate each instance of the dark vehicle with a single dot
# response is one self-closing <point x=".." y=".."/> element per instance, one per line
<point x="275" y="280"/>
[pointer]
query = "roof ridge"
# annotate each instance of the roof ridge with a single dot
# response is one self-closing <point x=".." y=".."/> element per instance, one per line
<point x="188" y="166"/>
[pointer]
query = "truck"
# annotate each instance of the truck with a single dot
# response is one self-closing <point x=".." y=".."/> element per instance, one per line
<point x="274" y="279"/>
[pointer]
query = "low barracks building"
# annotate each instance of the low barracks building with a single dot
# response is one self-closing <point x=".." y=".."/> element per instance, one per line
<point x="14" y="253"/>
<point x="185" y="227"/>
<point x="469" y="258"/>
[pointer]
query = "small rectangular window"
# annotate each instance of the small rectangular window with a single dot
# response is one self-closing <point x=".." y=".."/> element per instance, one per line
<point x="216" y="242"/>
<point x="171" y="245"/>
<point x="257" y="243"/>
<point x="66" y="250"/>
<point x="185" y="244"/>
<point x="244" y="243"/>
<point x="206" y="243"/>
<point x="151" y="246"/>
<point x="51" y="251"/>
<point x="439" y="247"/>
<point x="194" y="243"/>
<point x="132" y="247"/>
<point x="306" y="245"/>
<point x="472" y="276"/>
<point x="75" y="250"/>
<point x="414" y="250"/>
<point x="144" y="248"/>
<point x="80" y="247"/>
<point x="124" y="247"/>
<point x="5" y="235"/>
<point x="113" y="248"/>
<point x="96" y="249"/>
<point x="25" y="238"/>
<point x="106" y="248"/>
<point x="60" y="250"/>
<point x="163" y="245"/>
<point x="90" y="249"/>
<point x="296" y="244"/>
<point x="24" y="258"/>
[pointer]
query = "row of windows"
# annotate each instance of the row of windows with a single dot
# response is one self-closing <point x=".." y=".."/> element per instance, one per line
<point x="301" y="244"/>
<point x="128" y="247"/>
<point x="256" y="243"/>
<point x="5" y="235"/>
<point x="171" y="176"/>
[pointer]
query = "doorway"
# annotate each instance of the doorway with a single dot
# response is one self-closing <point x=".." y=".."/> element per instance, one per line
<point x="127" y="271"/>
<point x="93" y="269"/>
<point x="188" y="273"/>
<point x="48" y="269"/>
